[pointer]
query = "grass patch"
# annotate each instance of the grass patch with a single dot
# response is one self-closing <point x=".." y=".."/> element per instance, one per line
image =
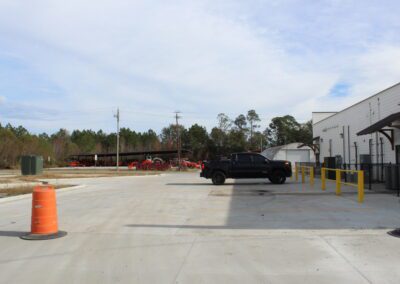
<point x="77" y="173"/>
<point x="84" y="174"/>
<point x="19" y="190"/>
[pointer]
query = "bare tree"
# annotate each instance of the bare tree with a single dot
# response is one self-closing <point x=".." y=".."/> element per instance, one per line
<point x="252" y="118"/>
<point x="224" y="122"/>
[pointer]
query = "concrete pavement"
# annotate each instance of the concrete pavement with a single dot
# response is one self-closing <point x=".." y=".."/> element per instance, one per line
<point x="178" y="228"/>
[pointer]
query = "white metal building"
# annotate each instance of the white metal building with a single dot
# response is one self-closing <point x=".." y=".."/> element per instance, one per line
<point x="290" y="152"/>
<point x="366" y="132"/>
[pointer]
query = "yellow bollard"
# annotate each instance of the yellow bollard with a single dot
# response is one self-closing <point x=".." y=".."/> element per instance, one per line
<point x="323" y="181"/>
<point x="312" y="176"/>
<point x="296" y="173"/>
<point x="361" y="186"/>
<point x="338" y="192"/>
<point x="303" y="176"/>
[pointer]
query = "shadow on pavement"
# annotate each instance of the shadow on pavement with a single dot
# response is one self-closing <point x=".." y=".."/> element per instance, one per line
<point x="236" y="227"/>
<point x="260" y="205"/>
<point x="224" y="185"/>
<point x="12" y="233"/>
<point x="301" y="206"/>
<point x="184" y="226"/>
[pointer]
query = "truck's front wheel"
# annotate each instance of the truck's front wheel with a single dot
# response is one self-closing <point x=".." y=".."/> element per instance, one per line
<point x="278" y="177"/>
<point x="218" y="178"/>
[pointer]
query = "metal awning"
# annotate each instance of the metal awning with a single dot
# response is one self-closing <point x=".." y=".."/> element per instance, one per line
<point x="314" y="147"/>
<point x="380" y="127"/>
<point x="316" y="138"/>
<point x="387" y="121"/>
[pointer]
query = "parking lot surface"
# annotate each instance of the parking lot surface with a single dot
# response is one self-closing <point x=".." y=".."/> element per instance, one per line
<point x="178" y="228"/>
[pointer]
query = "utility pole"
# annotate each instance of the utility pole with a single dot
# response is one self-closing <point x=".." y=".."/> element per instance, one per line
<point x="178" y="140"/>
<point x="117" y="117"/>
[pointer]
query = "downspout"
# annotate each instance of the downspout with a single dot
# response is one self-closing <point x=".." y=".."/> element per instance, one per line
<point x="370" y="164"/>
<point x="348" y="143"/>
<point x="356" y="154"/>
<point x="344" y="146"/>
<point x="377" y="147"/>
<point x="381" y="157"/>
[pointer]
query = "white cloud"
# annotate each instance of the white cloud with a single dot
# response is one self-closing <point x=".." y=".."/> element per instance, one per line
<point x="198" y="57"/>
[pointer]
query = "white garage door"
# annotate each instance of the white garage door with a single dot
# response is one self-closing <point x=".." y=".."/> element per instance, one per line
<point x="298" y="156"/>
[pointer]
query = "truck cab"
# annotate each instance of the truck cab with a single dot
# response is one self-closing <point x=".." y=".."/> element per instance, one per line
<point x="246" y="165"/>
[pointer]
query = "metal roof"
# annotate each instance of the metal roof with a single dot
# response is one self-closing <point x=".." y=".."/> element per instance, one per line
<point x="271" y="152"/>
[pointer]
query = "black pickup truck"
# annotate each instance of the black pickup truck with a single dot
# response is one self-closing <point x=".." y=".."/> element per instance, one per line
<point x="246" y="165"/>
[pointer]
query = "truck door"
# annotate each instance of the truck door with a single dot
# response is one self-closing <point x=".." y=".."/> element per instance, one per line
<point x="242" y="166"/>
<point x="260" y="166"/>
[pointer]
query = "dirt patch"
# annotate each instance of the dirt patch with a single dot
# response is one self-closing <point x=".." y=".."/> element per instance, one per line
<point x="13" y="191"/>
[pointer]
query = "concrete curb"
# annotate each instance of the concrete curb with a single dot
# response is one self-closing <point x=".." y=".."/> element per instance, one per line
<point x="28" y="195"/>
<point x="19" y="184"/>
<point x="82" y="179"/>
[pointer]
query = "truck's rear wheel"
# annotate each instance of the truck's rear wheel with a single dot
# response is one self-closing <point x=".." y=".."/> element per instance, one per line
<point x="278" y="177"/>
<point x="218" y="178"/>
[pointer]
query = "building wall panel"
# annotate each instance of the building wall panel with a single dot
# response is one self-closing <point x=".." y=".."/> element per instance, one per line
<point x="357" y="118"/>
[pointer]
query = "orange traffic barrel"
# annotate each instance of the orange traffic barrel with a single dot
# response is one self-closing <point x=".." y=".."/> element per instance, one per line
<point x="44" y="224"/>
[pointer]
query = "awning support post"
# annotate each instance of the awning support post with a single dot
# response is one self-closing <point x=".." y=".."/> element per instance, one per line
<point x="388" y="136"/>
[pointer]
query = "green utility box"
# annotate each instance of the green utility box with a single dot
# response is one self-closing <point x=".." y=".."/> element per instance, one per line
<point x="31" y="165"/>
<point x="26" y="165"/>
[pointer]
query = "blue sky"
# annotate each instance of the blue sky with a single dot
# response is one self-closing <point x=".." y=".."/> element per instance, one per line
<point x="341" y="89"/>
<point x="72" y="63"/>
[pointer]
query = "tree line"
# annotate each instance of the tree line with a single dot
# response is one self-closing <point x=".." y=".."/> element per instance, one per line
<point x="242" y="133"/>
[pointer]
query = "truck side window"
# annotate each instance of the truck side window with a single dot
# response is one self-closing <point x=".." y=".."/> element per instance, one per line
<point x="258" y="159"/>
<point x="244" y="158"/>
